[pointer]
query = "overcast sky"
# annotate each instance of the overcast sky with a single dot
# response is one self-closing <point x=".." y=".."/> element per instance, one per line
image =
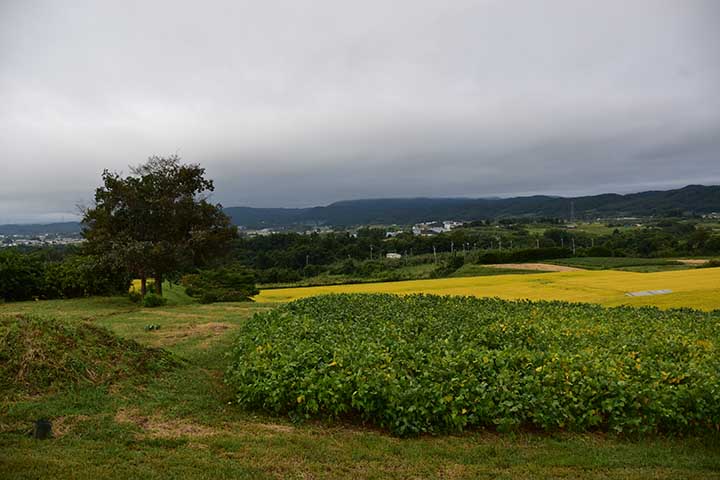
<point x="297" y="103"/>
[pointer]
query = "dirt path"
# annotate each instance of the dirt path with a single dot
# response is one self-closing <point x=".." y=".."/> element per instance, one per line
<point x="693" y="261"/>
<point x="540" y="267"/>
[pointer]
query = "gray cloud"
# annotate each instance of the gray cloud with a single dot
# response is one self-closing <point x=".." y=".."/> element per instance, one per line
<point x="300" y="103"/>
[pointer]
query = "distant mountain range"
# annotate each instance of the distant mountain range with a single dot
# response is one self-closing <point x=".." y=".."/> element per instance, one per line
<point x="693" y="199"/>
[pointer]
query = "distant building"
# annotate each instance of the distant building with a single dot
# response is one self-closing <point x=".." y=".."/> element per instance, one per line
<point x="394" y="256"/>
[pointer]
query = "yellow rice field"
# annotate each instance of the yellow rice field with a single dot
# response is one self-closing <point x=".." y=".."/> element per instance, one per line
<point x="697" y="288"/>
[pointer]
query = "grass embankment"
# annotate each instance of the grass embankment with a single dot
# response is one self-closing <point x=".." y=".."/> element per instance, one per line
<point x="176" y="423"/>
<point x="694" y="288"/>
<point x="39" y="355"/>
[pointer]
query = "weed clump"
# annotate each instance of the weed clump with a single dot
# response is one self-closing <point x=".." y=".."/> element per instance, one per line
<point x="39" y="355"/>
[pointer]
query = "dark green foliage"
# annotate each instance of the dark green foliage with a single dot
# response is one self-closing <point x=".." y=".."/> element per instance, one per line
<point x="157" y="222"/>
<point x="228" y="284"/>
<point x="81" y="276"/>
<point x="442" y="364"/>
<point x="526" y="255"/>
<point x="277" y="275"/>
<point x="598" y="252"/>
<point x="152" y="300"/>
<point x="21" y="276"/>
<point x="28" y="276"/>
<point x="38" y="355"/>
<point x="714" y="263"/>
<point x="448" y="266"/>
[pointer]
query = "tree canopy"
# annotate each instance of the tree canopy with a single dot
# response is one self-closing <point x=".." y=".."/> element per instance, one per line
<point x="157" y="221"/>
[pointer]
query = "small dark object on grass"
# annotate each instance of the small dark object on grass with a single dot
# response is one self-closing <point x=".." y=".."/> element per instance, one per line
<point x="151" y="327"/>
<point x="42" y="429"/>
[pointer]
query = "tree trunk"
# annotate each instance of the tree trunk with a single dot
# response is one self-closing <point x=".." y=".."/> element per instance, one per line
<point x="143" y="285"/>
<point x="158" y="283"/>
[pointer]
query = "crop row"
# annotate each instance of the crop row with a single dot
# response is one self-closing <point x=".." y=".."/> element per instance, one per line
<point x="425" y="363"/>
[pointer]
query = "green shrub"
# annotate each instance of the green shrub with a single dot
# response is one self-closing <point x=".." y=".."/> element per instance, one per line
<point x="21" y="276"/>
<point x="433" y="364"/>
<point x="153" y="300"/>
<point x="448" y="267"/>
<point x="277" y="275"/>
<point x="229" y="284"/>
<point x="526" y="255"/>
<point x="135" y="297"/>
<point x="28" y="276"/>
<point x="714" y="263"/>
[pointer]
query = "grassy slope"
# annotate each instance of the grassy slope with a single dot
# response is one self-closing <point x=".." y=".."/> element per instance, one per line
<point x="179" y="425"/>
<point x="698" y="288"/>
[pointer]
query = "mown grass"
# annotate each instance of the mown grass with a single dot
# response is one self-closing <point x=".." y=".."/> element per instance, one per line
<point x="178" y="424"/>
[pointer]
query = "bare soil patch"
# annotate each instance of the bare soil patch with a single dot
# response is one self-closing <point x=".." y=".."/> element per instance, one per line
<point x="693" y="261"/>
<point x="179" y="333"/>
<point x="158" y="427"/>
<point x="540" y="267"/>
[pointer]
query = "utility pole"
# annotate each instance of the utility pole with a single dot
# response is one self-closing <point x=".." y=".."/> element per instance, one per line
<point x="573" y="243"/>
<point x="537" y="243"/>
<point x="500" y="243"/>
<point x="435" y="254"/>
<point x="371" y="251"/>
<point x="452" y="247"/>
<point x="307" y="260"/>
<point x="562" y="242"/>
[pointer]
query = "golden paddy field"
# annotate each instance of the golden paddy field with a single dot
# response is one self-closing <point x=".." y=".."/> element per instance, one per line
<point x="696" y="288"/>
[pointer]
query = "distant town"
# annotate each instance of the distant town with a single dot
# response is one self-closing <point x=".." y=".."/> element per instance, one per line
<point x="39" y="240"/>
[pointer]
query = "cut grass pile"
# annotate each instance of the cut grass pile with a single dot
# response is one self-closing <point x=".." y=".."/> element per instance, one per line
<point x="39" y="354"/>
<point x="430" y="364"/>
<point x="694" y="288"/>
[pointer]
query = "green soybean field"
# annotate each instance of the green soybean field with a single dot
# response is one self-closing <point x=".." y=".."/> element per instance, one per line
<point x="430" y="364"/>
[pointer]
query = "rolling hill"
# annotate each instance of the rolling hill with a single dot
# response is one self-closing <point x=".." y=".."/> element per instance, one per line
<point x="693" y="199"/>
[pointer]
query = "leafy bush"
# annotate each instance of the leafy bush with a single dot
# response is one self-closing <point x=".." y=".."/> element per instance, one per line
<point x="21" y="276"/>
<point x="448" y="267"/>
<point x="714" y="263"/>
<point x="27" y="276"/>
<point x="152" y="300"/>
<point x="229" y="284"/>
<point x="135" y="297"/>
<point x="277" y="275"/>
<point x="81" y="276"/>
<point x="425" y="363"/>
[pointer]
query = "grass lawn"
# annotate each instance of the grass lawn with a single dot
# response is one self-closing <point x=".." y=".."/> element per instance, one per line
<point x="179" y="424"/>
